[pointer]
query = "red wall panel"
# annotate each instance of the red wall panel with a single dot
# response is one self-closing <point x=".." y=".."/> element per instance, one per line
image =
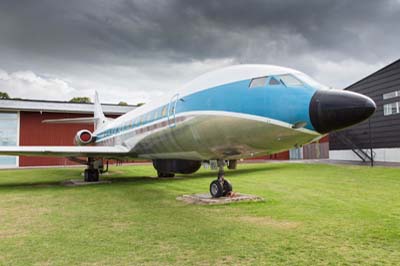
<point x="277" y="156"/>
<point x="33" y="132"/>
<point x="324" y="139"/>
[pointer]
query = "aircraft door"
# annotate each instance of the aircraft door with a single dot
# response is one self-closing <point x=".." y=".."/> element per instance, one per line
<point x="172" y="110"/>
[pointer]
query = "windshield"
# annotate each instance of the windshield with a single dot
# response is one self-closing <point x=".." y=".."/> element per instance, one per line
<point x="310" y="81"/>
<point x="290" y="80"/>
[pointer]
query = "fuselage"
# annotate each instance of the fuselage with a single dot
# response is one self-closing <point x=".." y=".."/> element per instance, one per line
<point x="235" y="112"/>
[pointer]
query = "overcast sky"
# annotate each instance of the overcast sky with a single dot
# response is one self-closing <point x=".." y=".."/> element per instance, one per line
<point x="136" y="50"/>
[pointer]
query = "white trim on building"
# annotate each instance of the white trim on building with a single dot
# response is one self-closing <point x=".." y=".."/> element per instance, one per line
<point x="381" y="155"/>
<point x="61" y="107"/>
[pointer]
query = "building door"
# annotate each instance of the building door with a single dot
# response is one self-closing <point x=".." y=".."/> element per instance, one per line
<point x="172" y="110"/>
<point x="8" y="137"/>
<point x="296" y="154"/>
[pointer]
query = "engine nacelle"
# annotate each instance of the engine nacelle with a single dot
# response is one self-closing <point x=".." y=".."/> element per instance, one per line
<point x="83" y="137"/>
<point x="172" y="166"/>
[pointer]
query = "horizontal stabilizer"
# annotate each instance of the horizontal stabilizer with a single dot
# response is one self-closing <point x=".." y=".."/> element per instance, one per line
<point x="79" y="120"/>
<point x="66" y="151"/>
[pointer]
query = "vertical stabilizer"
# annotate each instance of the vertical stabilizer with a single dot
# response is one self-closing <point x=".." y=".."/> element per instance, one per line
<point x="99" y="118"/>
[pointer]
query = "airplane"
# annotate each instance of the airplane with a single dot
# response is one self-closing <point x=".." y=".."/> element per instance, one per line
<point x="235" y="112"/>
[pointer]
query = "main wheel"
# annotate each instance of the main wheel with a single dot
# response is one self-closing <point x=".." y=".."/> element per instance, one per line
<point x="227" y="188"/>
<point x="216" y="189"/>
<point x="91" y="175"/>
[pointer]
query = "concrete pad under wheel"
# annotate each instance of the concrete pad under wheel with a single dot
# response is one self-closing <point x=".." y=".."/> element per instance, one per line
<point x="206" y="199"/>
<point x="75" y="183"/>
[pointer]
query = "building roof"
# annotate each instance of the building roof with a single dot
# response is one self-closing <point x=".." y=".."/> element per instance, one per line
<point x="61" y="107"/>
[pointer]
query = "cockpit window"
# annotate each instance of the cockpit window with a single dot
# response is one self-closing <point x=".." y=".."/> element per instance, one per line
<point x="309" y="81"/>
<point x="258" y="82"/>
<point x="290" y="80"/>
<point x="273" y="81"/>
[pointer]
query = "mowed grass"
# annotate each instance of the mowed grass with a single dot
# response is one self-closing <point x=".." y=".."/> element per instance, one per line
<point x="313" y="215"/>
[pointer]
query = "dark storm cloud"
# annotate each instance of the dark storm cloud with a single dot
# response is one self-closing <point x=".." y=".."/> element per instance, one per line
<point x="141" y="48"/>
<point x="101" y="31"/>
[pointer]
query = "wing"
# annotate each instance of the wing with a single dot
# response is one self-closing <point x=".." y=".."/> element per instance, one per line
<point x="67" y="151"/>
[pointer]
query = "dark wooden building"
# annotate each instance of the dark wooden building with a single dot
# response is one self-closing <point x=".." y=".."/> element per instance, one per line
<point x="382" y="131"/>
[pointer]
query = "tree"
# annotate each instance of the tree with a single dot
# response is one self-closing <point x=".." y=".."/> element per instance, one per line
<point x="123" y="103"/>
<point x="4" y="96"/>
<point x="139" y="104"/>
<point x="80" y="100"/>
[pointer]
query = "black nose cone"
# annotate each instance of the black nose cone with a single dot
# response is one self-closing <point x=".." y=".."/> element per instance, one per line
<point x="335" y="109"/>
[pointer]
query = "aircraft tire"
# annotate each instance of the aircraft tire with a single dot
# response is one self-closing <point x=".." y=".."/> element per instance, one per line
<point x="216" y="189"/>
<point x="91" y="175"/>
<point x="232" y="165"/>
<point x="227" y="187"/>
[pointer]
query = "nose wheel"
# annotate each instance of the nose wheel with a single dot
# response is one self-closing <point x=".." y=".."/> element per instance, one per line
<point x="220" y="187"/>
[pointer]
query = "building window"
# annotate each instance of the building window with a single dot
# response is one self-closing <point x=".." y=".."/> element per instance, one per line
<point x="8" y="136"/>
<point x="290" y="80"/>
<point x="391" y="108"/>
<point x="390" y="95"/>
<point x="258" y="82"/>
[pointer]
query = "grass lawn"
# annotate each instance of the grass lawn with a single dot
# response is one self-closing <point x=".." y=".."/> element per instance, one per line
<point x="313" y="215"/>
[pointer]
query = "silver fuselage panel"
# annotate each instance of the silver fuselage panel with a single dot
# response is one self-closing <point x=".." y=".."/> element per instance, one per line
<point x="213" y="135"/>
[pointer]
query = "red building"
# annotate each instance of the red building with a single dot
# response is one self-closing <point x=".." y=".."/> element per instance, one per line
<point x="21" y="124"/>
<point x="315" y="150"/>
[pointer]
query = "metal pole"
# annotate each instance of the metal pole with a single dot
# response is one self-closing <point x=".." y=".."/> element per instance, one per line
<point x="370" y="143"/>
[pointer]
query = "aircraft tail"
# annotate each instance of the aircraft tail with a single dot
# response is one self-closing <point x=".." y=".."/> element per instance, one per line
<point x="99" y="117"/>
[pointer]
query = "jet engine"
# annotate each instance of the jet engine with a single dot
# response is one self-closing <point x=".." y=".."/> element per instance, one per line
<point x="84" y="137"/>
<point x="169" y="167"/>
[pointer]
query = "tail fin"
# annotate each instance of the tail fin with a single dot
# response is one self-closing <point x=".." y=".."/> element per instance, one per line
<point x="99" y="118"/>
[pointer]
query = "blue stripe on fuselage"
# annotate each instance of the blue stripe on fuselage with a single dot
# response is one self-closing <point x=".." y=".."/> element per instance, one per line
<point x="287" y="104"/>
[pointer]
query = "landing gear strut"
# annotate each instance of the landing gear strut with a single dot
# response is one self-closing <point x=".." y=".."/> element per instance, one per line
<point x="220" y="187"/>
<point x="92" y="171"/>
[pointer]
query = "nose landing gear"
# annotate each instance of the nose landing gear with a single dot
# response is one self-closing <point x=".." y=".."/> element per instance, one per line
<point x="220" y="187"/>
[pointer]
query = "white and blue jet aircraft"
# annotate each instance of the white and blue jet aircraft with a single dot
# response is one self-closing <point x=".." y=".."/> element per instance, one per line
<point x="231" y="113"/>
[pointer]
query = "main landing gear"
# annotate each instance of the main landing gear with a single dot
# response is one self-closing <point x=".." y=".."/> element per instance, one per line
<point x="220" y="187"/>
<point x="93" y="170"/>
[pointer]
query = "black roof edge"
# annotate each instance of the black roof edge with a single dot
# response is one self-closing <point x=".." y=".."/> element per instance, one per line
<point x="373" y="73"/>
<point x="51" y="101"/>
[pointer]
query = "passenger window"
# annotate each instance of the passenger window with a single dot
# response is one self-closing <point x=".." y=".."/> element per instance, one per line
<point x="290" y="80"/>
<point x="258" y="82"/>
<point x="164" y="111"/>
<point x="274" y="81"/>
